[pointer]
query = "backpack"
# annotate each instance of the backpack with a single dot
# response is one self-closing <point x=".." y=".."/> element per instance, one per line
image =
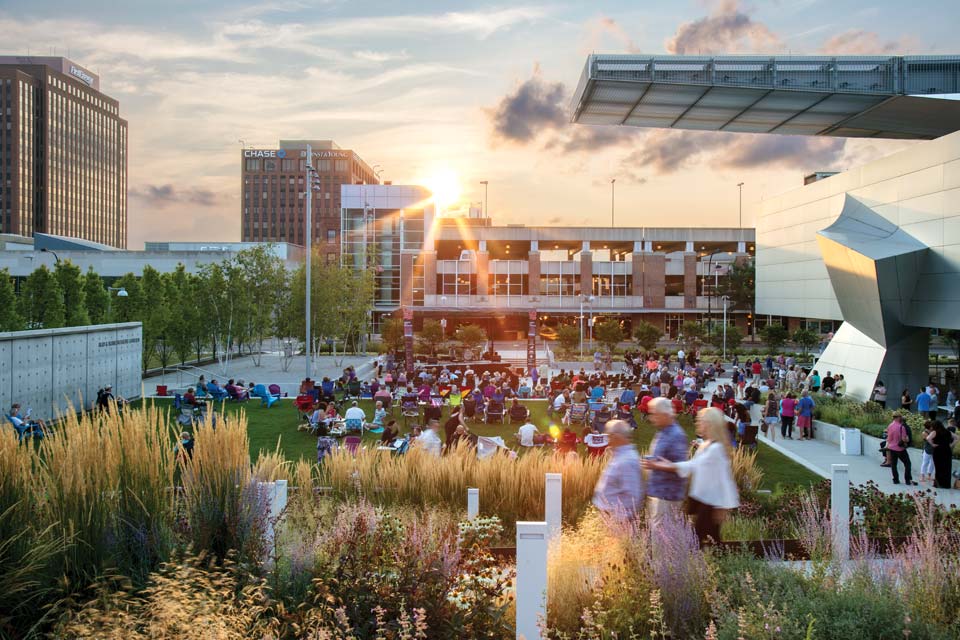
<point x="909" y="433"/>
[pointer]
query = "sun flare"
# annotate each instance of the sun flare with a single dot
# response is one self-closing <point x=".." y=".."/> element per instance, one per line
<point x="445" y="186"/>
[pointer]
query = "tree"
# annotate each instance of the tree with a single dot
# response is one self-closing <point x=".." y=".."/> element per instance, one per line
<point x="647" y="335"/>
<point x="693" y="334"/>
<point x="569" y="337"/>
<point x="41" y="300"/>
<point x="739" y="286"/>
<point x="805" y="339"/>
<point x="96" y="297"/>
<point x="431" y="336"/>
<point x="774" y="335"/>
<point x="70" y="279"/>
<point x="155" y="317"/>
<point x="391" y="332"/>
<point x="128" y="308"/>
<point x="471" y="337"/>
<point x="733" y="338"/>
<point x="608" y="333"/>
<point x="265" y="278"/>
<point x="10" y="318"/>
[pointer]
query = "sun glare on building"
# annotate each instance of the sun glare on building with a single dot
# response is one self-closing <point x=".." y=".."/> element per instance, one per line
<point x="445" y="186"/>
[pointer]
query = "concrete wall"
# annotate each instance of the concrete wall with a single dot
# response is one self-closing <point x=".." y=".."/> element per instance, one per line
<point x="917" y="189"/>
<point x="53" y="369"/>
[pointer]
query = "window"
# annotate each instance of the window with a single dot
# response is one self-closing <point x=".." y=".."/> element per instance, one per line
<point x="253" y="164"/>
<point x="340" y="166"/>
<point x="269" y="165"/>
<point x="763" y="321"/>
<point x="673" y="286"/>
<point x="331" y="236"/>
<point x="289" y="164"/>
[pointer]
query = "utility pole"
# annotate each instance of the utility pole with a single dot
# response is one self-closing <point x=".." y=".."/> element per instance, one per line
<point x="486" y="205"/>
<point x="308" y="237"/>
<point x="613" y="182"/>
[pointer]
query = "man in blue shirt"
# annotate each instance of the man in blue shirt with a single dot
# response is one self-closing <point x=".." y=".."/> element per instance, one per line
<point x="924" y="401"/>
<point x="666" y="490"/>
<point x="619" y="491"/>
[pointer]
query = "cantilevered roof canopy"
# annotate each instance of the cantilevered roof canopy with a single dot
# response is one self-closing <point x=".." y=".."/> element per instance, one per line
<point x="847" y="96"/>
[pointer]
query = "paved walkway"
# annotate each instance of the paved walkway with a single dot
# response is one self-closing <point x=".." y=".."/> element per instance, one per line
<point x="819" y="456"/>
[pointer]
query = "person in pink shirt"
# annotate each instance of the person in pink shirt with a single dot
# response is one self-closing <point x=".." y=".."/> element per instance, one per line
<point x="788" y="413"/>
<point x="898" y="439"/>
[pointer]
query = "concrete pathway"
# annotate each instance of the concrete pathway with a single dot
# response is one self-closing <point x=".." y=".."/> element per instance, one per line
<point x="819" y="456"/>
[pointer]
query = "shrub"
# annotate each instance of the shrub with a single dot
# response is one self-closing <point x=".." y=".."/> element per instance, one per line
<point x="647" y="334"/>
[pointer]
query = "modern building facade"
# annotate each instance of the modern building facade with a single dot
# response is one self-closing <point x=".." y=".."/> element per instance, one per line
<point x="878" y="247"/>
<point x="469" y="270"/>
<point x="273" y="196"/>
<point x="63" y="152"/>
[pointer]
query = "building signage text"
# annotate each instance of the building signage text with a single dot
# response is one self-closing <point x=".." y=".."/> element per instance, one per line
<point x="83" y="75"/>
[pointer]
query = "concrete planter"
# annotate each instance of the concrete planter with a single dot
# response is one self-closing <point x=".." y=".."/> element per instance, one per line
<point x="850" y="442"/>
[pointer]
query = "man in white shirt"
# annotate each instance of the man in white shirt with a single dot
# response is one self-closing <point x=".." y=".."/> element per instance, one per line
<point x="355" y="413"/>
<point x="527" y="434"/>
<point x="429" y="440"/>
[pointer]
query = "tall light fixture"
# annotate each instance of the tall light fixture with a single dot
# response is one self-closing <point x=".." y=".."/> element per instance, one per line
<point x="313" y="184"/>
<point x="486" y="187"/>
<point x="740" y="187"/>
<point x="613" y="182"/>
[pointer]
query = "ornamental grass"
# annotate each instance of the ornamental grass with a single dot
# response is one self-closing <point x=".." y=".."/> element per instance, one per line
<point x="512" y="489"/>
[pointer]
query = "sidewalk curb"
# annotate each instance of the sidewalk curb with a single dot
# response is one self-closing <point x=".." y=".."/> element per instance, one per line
<point x="793" y="456"/>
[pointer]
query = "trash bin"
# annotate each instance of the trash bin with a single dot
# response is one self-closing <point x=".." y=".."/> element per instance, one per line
<point x="850" y="442"/>
<point x="161" y="389"/>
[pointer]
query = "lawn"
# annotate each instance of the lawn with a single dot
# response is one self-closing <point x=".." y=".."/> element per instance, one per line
<point x="277" y="427"/>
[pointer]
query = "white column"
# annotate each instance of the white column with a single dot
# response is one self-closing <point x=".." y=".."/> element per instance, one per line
<point x="534" y="245"/>
<point x="741" y="247"/>
<point x="275" y="494"/>
<point x="688" y="247"/>
<point x="473" y="503"/>
<point x="840" y="511"/>
<point x="531" y="579"/>
<point x="553" y="504"/>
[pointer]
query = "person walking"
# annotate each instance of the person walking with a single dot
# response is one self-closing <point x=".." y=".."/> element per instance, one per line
<point x="942" y="441"/>
<point x="897" y="442"/>
<point x="926" y="458"/>
<point x="771" y="416"/>
<point x="805" y="416"/>
<point x="665" y="490"/>
<point x="619" y="491"/>
<point x="713" y="490"/>
<point x="880" y="394"/>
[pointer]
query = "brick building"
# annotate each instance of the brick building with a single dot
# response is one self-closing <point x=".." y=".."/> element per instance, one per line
<point x="273" y="192"/>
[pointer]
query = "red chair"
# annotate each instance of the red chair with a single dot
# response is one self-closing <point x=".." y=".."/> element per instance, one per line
<point x="698" y="404"/>
<point x="304" y="404"/>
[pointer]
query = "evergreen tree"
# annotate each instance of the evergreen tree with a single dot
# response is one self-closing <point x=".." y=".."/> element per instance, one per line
<point x="70" y="279"/>
<point x="155" y="316"/>
<point x="96" y="297"/>
<point x="41" y="300"/>
<point x="10" y="318"/>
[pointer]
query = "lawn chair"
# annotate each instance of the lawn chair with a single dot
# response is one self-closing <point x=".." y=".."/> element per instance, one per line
<point x="275" y="390"/>
<point x="625" y="413"/>
<point x="266" y="398"/>
<point x="601" y="417"/>
<point x="578" y="413"/>
<point x="353" y="390"/>
<point x="494" y="411"/>
<point x="184" y="412"/>
<point x="699" y="403"/>
<point x="469" y="408"/>
<point x="519" y="414"/>
<point x="26" y="430"/>
<point x="353" y="424"/>
<point x="215" y="393"/>
<point x="409" y="407"/>
<point x="304" y="404"/>
<point x="352" y="444"/>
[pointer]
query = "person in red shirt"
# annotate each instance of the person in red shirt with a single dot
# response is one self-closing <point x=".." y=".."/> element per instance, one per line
<point x="757" y="369"/>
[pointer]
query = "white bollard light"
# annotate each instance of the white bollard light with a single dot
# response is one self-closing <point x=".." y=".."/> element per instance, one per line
<point x="840" y="511"/>
<point x="276" y="496"/>
<point x="473" y="503"/>
<point x="531" y="598"/>
<point x="553" y="504"/>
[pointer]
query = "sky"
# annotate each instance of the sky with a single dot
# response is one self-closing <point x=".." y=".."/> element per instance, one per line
<point x="476" y="90"/>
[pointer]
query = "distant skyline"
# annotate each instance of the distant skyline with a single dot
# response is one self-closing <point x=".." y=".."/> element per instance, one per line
<point x="465" y="90"/>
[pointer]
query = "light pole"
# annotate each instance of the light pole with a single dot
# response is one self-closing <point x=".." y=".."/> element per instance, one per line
<point x="55" y="256"/>
<point x="740" y="187"/>
<point x="308" y="237"/>
<point x="486" y="186"/>
<point x="588" y="300"/>
<point x="121" y="293"/>
<point x="725" y="300"/>
<point x="613" y="182"/>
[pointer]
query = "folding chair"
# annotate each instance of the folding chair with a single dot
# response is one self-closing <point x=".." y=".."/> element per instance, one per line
<point x="578" y="413"/>
<point x="353" y="424"/>
<point x="353" y="390"/>
<point x="409" y="408"/>
<point x="25" y="430"/>
<point x="276" y="391"/>
<point x="352" y="444"/>
<point x="494" y="411"/>
<point x="304" y="404"/>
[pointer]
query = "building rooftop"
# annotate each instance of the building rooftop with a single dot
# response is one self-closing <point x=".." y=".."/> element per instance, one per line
<point x="58" y="63"/>
<point x="844" y="96"/>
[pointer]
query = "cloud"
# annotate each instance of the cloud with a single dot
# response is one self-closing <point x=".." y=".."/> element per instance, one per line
<point x="160" y="196"/>
<point x="862" y="42"/>
<point x="380" y="56"/>
<point x="667" y="151"/>
<point x="727" y="30"/>
<point x="582" y="137"/>
<point x="534" y="106"/>
<point x="600" y="28"/>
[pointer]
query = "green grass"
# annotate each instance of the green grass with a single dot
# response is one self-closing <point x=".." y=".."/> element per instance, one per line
<point x="277" y="427"/>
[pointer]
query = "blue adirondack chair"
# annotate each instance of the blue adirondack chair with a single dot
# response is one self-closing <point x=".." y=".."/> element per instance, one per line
<point x="266" y="398"/>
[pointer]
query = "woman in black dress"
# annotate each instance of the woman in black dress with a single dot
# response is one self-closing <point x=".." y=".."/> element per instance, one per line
<point x="942" y="441"/>
<point x="905" y="400"/>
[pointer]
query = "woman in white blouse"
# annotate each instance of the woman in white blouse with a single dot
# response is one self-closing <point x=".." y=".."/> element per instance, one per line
<point x="713" y="490"/>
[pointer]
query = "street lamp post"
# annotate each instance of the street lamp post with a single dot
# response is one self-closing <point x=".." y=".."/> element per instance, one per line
<point x="725" y="300"/>
<point x="313" y="181"/>
<point x="121" y="293"/>
<point x="55" y="256"/>
<point x="588" y="300"/>
<point x="486" y="202"/>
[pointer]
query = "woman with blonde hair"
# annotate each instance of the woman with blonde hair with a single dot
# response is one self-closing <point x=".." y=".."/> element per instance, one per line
<point x="713" y="491"/>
